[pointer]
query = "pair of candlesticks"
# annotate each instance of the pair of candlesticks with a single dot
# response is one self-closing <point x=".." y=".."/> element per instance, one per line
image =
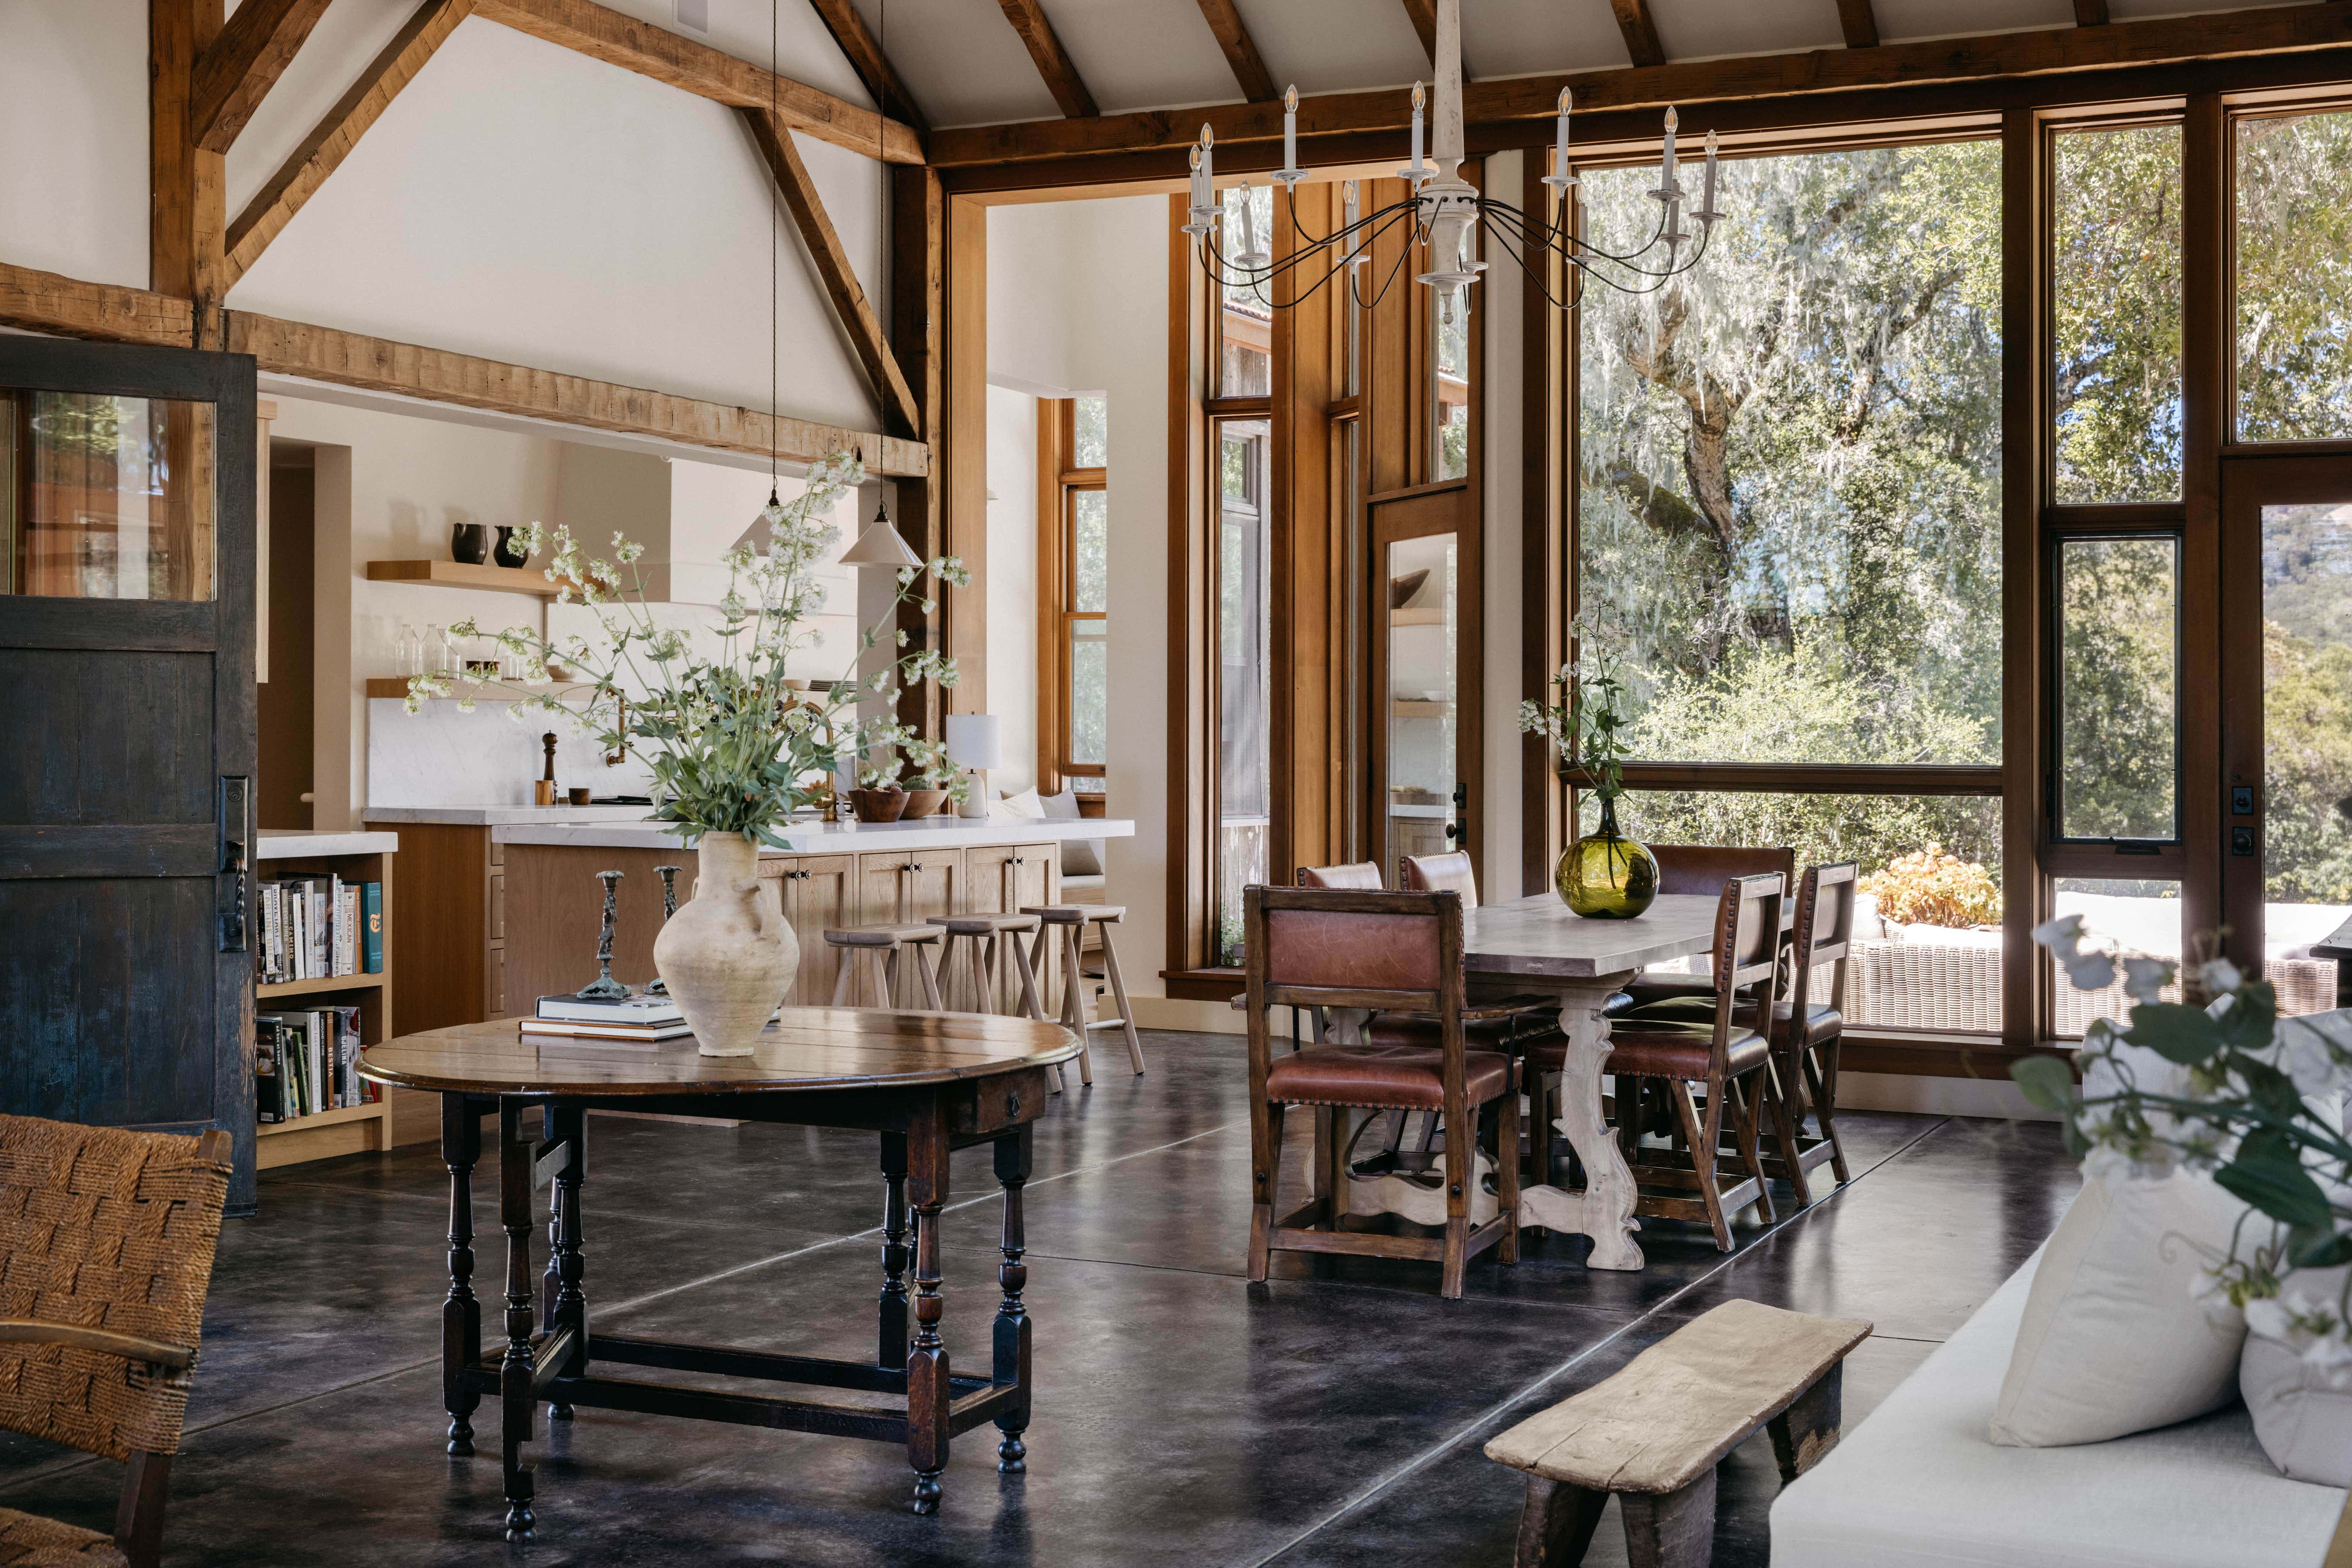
<point x="603" y="988"/>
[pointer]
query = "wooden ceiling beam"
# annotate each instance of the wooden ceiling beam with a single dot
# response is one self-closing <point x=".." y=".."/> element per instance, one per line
<point x="1425" y="23"/>
<point x="332" y="140"/>
<point x="41" y="301"/>
<point x="900" y="410"/>
<point x="237" y="72"/>
<point x="378" y="364"/>
<point x="2090" y="13"/>
<point x="1641" y="33"/>
<point x="2166" y="40"/>
<point x="1859" y="22"/>
<point x="1241" y="51"/>
<point x="866" y="58"/>
<point x="604" y="34"/>
<point x="1028" y="19"/>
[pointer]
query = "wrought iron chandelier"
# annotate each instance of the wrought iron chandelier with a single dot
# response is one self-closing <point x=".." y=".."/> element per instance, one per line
<point x="1444" y="212"/>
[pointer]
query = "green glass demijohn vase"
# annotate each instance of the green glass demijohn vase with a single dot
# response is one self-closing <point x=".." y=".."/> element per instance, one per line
<point x="1605" y="876"/>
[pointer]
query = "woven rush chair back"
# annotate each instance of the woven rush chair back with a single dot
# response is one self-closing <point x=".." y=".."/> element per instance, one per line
<point x="1703" y="869"/>
<point x="1361" y="876"/>
<point x="1747" y="949"/>
<point x="1450" y="873"/>
<point x="1824" y="932"/>
<point x="110" y="1230"/>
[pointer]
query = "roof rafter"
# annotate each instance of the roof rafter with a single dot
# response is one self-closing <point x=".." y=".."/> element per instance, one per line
<point x="237" y="72"/>
<point x="1241" y="51"/>
<point x="899" y="408"/>
<point x="2090" y="13"/>
<point x="1425" y="23"/>
<point x="1641" y="32"/>
<point x="866" y="58"/>
<point x="1859" y="22"/>
<point x="1028" y="19"/>
<point x="332" y="140"/>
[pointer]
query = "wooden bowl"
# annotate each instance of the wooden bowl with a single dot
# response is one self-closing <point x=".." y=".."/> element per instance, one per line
<point x="879" y="805"/>
<point x="925" y="803"/>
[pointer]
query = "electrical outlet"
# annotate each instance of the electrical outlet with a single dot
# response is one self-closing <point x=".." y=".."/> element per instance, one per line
<point x="2241" y="800"/>
<point x="2241" y="840"/>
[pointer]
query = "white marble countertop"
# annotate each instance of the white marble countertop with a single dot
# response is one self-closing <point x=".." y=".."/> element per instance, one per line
<point x="831" y="838"/>
<point x="494" y="816"/>
<point x="289" y="843"/>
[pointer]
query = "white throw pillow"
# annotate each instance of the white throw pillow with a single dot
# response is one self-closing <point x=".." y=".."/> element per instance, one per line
<point x="1023" y="808"/>
<point x="2112" y="1342"/>
<point x="2303" y="1420"/>
<point x="1080" y="857"/>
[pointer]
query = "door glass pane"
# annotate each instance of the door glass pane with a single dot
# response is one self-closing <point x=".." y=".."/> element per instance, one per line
<point x="2294" y="278"/>
<point x="1421" y="626"/>
<point x="1927" y="945"/>
<point x="2306" y="744"/>
<point x="105" y="498"/>
<point x="1089" y="692"/>
<point x="1449" y="389"/>
<point x="1788" y="464"/>
<point x="1244" y="608"/>
<point x="2119" y="676"/>
<point x="1089" y="550"/>
<point x="2127" y="918"/>
<point x="2116" y="303"/>
<point x="1245" y="324"/>
<point x="1090" y="431"/>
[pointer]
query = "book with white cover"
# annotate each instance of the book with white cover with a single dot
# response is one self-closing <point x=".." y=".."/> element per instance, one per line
<point x="606" y="1034"/>
<point x="636" y="1010"/>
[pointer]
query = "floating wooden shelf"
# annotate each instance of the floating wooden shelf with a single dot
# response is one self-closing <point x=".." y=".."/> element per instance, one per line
<point x="354" y="1129"/>
<point x="1402" y="709"/>
<point x="458" y="574"/>
<point x="316" y="987"/>
<point x="398" y="686"/>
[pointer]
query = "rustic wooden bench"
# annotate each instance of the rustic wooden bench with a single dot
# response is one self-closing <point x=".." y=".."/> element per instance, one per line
<point x="1653" y="1433"/>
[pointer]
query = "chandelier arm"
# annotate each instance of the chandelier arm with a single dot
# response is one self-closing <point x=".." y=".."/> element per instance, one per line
<point x="1341" y="233"/>
<point x="1505" y="215"/>
<point x="1559" y="238"/>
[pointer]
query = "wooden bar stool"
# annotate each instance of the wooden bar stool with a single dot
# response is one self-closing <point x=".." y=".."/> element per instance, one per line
<point x="877" y="948"/>
<point x="984" y="942"/>
<point x="1071" y="920"/>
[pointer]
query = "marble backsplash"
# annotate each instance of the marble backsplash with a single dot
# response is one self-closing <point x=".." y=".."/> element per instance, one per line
<point x="443" y="756"/>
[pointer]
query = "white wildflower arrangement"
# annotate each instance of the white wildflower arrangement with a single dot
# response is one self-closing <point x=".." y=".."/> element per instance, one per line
<point x="1587" y="725"/>
<point x="2234" y="1090"/>
<point x="732" y="746"/>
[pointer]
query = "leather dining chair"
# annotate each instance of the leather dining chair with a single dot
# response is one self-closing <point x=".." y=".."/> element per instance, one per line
<point x="1700" y="870"/>
<point x="1358" y="876"/>
<point x="1808" y="1027"/>
<point x="1380" y="951"/>
<point x="1724" y="1054"/>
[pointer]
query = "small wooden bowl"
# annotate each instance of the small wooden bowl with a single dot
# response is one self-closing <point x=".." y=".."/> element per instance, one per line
<point x="879" y="805"/>
<point x="925" y="803"/>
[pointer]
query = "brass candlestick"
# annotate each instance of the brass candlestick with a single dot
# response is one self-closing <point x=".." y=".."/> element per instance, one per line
<point x="660" y="988"/>
<point x="603" y="988"/>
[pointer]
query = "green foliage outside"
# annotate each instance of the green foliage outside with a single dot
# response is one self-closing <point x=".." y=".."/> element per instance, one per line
<point x="2294" y="278"/>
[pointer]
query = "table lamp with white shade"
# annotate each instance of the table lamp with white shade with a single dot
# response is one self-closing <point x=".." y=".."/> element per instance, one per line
<point x="974" y="746"/>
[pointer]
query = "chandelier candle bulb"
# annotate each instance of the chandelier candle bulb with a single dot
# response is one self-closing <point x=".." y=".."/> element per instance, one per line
<point x="1707" y="213"/>
<point x="1666" y="192"/>
<point x="1416" y="170"/>
<point x="1289" y="175"/>
<point x="1561" y="178"/>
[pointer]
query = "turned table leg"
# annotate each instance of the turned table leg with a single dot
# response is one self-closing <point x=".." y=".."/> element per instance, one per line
<point x="1011" y="1362"/>
<point x="518" y="1405"/>
<point x="927" y="1392"/>
<point x="461" y="1314"/>
<point x="569" y="1305"/>
<point x="892" y="1313"/>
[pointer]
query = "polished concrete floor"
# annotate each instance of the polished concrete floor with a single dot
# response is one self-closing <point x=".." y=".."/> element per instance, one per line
<point x="1334" y="1418"/>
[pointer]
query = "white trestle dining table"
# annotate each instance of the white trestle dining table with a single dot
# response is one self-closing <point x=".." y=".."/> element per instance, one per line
<point x="1537" y="946"/>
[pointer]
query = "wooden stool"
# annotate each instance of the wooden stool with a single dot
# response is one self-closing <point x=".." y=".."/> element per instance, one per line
<point x="984" y="940"/>
<point x="877" y="947"/>
<point x="1072" y="920"/>
<point x="1652" y="1433"/>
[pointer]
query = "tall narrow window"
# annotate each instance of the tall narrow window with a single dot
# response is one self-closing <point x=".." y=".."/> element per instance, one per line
<point x="1245" y="322"/>
<point x="2116" y="309"/>
<point x="2294" y="278"/>
<point x="1074" y="581"/>
<point x="1245" y="800"/>
<point x="1449" y="388"/>
<point x="2118" y="688"/>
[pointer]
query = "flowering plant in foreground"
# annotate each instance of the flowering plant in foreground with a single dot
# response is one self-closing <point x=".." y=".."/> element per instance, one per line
<point x="2230" y="1088"/>
<point x="1588" y="724"/>
<point x="732" y="746"/>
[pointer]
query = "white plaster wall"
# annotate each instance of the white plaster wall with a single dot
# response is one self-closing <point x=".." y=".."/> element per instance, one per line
<point x="1013" y="584"/>
<point x="1078" y="300"/>
<point x="73" y="138"/>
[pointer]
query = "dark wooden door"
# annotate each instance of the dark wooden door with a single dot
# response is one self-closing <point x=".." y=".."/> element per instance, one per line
<point x="127" y="614"/>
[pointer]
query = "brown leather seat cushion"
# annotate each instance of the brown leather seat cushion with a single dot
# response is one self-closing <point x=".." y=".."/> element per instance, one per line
<point x="1822" y="1021"/>
<point x="1648" y="988"/>
<point x="1381" y="1075"/>
<point x="1662" y="1049"/>
<point x="1515" y="1033"/>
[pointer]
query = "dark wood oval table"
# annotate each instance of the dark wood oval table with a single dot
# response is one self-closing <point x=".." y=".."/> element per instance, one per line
<point x="929" y="1083"/>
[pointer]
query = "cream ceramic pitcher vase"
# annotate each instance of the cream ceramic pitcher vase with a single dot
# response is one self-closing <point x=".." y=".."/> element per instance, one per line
<point x="727" y="956"/>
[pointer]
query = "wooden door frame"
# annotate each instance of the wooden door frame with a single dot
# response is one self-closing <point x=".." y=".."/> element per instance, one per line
<point x="1422" y="512"/>
<point x="224" y="627"/>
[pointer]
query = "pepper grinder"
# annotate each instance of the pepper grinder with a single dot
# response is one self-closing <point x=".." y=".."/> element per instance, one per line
<point x="660" y="988"/>
<point x="544" y="792"/>
<point x="603" y="988"/>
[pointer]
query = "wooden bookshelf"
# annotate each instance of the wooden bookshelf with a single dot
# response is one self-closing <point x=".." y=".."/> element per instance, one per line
<point x="353" y="1129"/>
<point x="398" y="686"/>
<point x="531" y="579"/>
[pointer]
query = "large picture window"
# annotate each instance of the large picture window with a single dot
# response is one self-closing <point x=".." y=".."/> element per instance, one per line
<point x="2294" y="257"/>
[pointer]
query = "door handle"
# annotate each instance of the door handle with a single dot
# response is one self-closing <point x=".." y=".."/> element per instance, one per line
<point x="235" y="837"/>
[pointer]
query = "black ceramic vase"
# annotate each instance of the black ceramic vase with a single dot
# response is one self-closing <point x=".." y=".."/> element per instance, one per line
<point x="509" y="549"/>
<point x="469" y="543"/>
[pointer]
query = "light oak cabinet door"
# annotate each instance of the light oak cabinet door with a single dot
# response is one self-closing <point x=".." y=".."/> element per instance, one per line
<point x="1001" y="878"/>
<point x="908" y="889"/>
<point x="820" y="893"/>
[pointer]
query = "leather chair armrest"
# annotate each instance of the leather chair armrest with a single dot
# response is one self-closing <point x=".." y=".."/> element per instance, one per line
<point x="130" y="1347"/>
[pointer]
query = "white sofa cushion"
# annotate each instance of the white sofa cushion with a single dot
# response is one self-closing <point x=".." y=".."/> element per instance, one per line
<point x="1919" y="1485"/>
<point x="1080" y="857"/>
<point x="2112" y="1341"/>
<point x="2302" y="1418"/>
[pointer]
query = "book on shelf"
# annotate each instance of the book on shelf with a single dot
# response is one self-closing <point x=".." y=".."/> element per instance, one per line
<point x="308" y="1062"/>
<point x="636" y="1010"/>
<point x="607" y="1034"/>
<point x="319" y="927"/>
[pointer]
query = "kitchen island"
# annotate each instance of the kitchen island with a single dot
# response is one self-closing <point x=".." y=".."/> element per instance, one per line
<point x="828" y="874"/>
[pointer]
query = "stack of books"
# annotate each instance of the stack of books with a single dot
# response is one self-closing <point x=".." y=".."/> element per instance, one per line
<point x="634" y="1018"/>
<point x="318" y="927"/>
<point x="306" y="1063"/>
